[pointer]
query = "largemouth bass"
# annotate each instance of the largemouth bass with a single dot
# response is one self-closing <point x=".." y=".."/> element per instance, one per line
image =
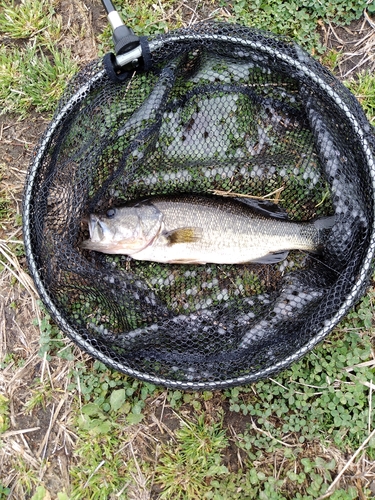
<point x="190" y="229"/>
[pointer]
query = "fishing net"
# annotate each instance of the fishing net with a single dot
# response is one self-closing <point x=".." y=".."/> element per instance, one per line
<point x="219" y="109"/>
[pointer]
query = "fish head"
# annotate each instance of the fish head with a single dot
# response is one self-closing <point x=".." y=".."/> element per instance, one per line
<point x="124" y="230"/>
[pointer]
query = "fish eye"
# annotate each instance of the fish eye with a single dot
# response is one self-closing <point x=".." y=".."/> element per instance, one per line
<point x="111" y="213"/>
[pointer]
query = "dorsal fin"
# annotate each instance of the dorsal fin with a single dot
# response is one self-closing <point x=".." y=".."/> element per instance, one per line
<point x="264" y="207"/>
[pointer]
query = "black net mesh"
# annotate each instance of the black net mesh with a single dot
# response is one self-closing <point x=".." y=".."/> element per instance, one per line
<point x="224" y="108"/>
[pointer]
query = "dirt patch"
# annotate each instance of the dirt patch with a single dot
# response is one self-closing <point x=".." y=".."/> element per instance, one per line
<point x="17" y="142"/>
<point x="236" y="424"/>
<point x="39" y="433"/>
<point x="82" y="21"/>
<point x="355" y="44"/>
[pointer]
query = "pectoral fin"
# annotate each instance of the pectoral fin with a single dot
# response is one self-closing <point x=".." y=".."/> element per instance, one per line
<point x="183" y="235"/>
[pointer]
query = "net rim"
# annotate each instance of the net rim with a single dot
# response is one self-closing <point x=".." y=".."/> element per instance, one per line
<point x="101" y="77"/>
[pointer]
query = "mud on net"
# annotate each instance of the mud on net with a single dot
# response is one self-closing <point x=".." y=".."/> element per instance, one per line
<point x="223" y="109"/>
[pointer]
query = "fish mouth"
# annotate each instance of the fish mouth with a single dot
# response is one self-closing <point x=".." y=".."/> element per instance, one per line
<point x="96" y="228"/>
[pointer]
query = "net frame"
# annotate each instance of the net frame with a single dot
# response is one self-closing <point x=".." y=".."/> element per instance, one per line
<point x="199" y="38"/>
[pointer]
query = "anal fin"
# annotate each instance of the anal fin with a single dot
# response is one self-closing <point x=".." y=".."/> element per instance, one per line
<point x="271" y="258"/>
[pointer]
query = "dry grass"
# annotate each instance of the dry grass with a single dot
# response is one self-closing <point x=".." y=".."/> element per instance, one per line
<point x="40" y="443"/>
<point x="35" y="448"/>
<point x="356" y="46"/>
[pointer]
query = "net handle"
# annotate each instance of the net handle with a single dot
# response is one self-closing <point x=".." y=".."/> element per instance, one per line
<point x="123" y="37"/>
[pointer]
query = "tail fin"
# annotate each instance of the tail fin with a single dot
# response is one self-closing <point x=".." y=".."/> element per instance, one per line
<point x="324" y="223"/>
<point x="323" y="226"/>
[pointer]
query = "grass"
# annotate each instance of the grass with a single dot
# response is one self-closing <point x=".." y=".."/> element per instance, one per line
<point x="33" y="78"/>
<point x="35" y="68"/>
<point x="195" y="460"/>
<point x="287" y="437"/>
<point x="296" y="18"/>
<point x="70" y="425"/>
<point x="27" y="19"/>
<point x="363" y="87"/>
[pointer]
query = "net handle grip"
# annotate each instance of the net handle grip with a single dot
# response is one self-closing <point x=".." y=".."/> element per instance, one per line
<point x="124" y="38"/>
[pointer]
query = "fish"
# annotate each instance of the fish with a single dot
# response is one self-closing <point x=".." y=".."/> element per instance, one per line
<point x="201" y="229"/>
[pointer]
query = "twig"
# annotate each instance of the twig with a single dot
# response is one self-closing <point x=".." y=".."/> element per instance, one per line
<point x="20" y="431"/>
<point x="21" y="276"/>
<point x="21" y="452"/>
<point x="360" y="365"/>
<point x="268" y="434"/>
<point x="20" y="242"/>
<point x="93" y="474"/>
<point x="361" y="63"/>
<point x="368" y="19"/>
<point x="340" y="40"/>
<point x="54" y="414"/>
<point x="370" y="406"/>
<point x="347" y="465"/>
<point x="3" y="337"/>
<point x="231" y="194"/>
<point x="362" y="40"/>
<point x="139" y="479"/>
